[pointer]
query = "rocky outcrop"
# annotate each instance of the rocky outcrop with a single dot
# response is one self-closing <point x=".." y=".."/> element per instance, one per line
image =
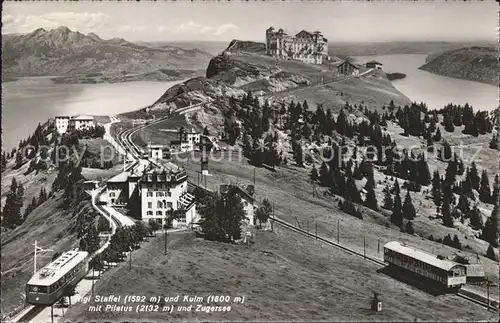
<point x="478" y="64"/>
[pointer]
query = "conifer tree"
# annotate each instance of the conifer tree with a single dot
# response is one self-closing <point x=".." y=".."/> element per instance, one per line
<point x="484" y="188"/>
<point x="463" y="204"/>
<point x="371" y="198"/>
<point x="474" y="176"/>
<point x="314" y="174"/>
<point x="388" y="202"/>
<point x="408" y="208"/>
<point x="490" y="253"/>
<point x="476" y="219"/>
<point x="324" y="175"/>
<point x="424" y="175"/>
<point x="11" y="213"/>
<point x="446" y="212"/>
<point x="397" y="211"/>
<point x="409" y="228"/>
<point x="437" y="136"/>
<point x="436" y="188"/>
<point x="352" y="191"/>
<point x="491" y="228"/>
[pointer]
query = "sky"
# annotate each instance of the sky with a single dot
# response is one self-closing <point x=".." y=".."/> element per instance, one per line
<point x="340" y="21"/>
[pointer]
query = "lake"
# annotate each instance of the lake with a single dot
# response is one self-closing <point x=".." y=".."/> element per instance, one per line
<point x="28" y="101"/>
<point x="435" y="90"/>
<point x="32" y="100"/>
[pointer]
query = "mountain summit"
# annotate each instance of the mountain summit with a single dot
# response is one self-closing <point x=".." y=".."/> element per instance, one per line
<point x="63" y="52"/>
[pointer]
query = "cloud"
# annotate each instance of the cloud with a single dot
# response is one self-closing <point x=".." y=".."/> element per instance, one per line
<point x="198" y="29"/>
<point x="84" y="22"/>
<point x="128" y="28"/>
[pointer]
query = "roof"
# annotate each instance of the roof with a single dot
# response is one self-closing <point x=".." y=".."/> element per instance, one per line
<point x="348" y="63"/>
<point x="83" y="117"/>
<point x="120" y="178"/>
<point x="374" y="62"/>
<point x="224" y="188"/>
<point x="62" y="117"/>
<point x="420" y="255"/>
<point x="57" y="268"/>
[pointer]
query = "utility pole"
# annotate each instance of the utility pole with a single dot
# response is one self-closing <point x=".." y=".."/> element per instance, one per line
<point x="488" y="292"/>
<point x="130" y="262"/>
<point x="308" y="229"/>
<point x="364" y="247"/>
<point x="338" y="231"/>
<point x="165" y="242"/>
<point x="52" y="313"/>
<point x="378" y="246"/>
<point x="254" y="179"/>
<point x="316" y="227"/>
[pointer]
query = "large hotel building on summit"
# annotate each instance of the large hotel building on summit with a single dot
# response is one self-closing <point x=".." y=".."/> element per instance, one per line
<point x="305" y="46"/>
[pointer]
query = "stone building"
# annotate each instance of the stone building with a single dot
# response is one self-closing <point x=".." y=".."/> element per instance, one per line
<point x="305" y="46"/>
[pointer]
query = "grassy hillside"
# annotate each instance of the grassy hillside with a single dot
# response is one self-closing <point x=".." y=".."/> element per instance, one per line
<point x="51" y="226"/>
<point x="305" y="283"/>
<point x="471" y="63"/>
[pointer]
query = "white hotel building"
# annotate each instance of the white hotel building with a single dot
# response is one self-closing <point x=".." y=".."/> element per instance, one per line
<point x="158" y="188"/>
<point x="65" y="123"/>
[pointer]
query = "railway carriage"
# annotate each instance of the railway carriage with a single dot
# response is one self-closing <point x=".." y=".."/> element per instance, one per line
<point x="444" y="273"/>
<point x="48" y="284"/>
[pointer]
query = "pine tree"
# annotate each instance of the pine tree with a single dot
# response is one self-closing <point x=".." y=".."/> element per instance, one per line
<point x="299" y="158"/>
<point x="205" y="132"/>
<point x="324" y="175"/>
<point x="371" y="198"/>
<point x="3" y="162"/>
<point x="388" y="202"/>
<point x="314" y="174"/>
<point x="408" y="208"/>
<point x="436" y="188"/>
<point x="474" y="176"/>
<point x="352" y="191"/>
<point x="484" y="188"/>
<point x="257" y="153"/>
<point x="491" y="228"/>
<point x="490" y="253"/>
<point x="476" y="219"/>
<point x="437" y="136"/>
<point x="409" y="228"/>
<point x="446" y="212"/>
<point x="397" y="212"/>
<point x="11" y="213"/>
<point x="424" y="175"/>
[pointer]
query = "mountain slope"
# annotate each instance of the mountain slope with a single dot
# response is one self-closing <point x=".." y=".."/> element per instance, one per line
<point x="478" y="64"/>
<point x="62" y="52"/>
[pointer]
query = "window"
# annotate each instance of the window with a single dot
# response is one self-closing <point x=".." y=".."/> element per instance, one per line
<point x="149" y="213"/>
<point x="159" y="213"/>
<point x="150" y="205"/>
<point x="169" y="205"/>
<point x="159" y="194"/>
<point x="149" y="194"/>
<point x="112" y="194"/>
<point x="159" y="205"/>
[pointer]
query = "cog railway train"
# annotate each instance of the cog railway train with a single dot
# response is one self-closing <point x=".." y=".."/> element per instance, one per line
<point x="437" y="270"/>
<point x="48" y="284"/>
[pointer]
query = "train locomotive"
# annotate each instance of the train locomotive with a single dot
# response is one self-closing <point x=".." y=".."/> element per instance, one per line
<point x="47" y="285"/>
<point x="444" y="274"/>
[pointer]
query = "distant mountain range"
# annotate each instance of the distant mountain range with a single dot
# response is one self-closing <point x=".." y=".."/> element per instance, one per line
<point x="478" y="64"/>
<point x="79" y="58"/>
